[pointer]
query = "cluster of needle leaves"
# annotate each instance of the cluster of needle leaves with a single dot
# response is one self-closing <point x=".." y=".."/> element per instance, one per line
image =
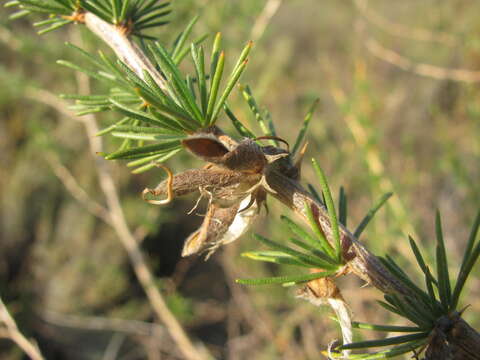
<point x="161" y="117"/>
<point x="311" y="250"/>
<point x="136" y="15"/>
<point x="426" y="308"/>
<point x="155" y="118"/>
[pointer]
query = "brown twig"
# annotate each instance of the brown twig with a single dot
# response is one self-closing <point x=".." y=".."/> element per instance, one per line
<point x="462" y="337"/>
<point x="113" y="347"/>
<point x="11" y="331"/>
<point x="262" y="21"/>
<point x="256" y="320"/>
<point x="77" y="192"/>
<point x="134" y="327"/>
<point x="401" y="30"/>
<point x="427" y="70"/>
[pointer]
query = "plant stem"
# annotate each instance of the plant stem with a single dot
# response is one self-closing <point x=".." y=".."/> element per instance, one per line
<point x="124" y="47"/>
<point x="463" y="339"/>
<point x="10" y="330"/>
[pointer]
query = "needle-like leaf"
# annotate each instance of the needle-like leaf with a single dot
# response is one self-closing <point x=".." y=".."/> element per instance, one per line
<point x="330" y="207"/>
<point x="371" y="213"/>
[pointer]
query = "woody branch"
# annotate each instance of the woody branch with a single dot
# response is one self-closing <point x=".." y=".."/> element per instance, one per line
<point x="359" y="260"/>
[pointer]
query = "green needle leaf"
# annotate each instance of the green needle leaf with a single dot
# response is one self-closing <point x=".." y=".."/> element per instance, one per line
<point x="331" y="209"/>
<point x="199" y="61"/>
<point x="429" y="280"/>
<point x="442" y="265"/>
<point x="177" y="83"/>
<point x="342" y="207"/>
<point x="386" y="328"/>
<point x="148" y="159"/>
<point x="154" y="160"/>
<point x="371" y="213"/>
<point x="254" y="108"/>
<point x="230" y="84"/>
<point x="384" y="342"/>
<point x="242" y="129"/>
<point x="303" y="130"/>
<point x="142" y="116"/>
<point x="143" y="151"/>
<point x="386" y="354"/>
<point x="243" y="55"/>
<point x="285" y="279"/>
<point x="307" y="260"/>
<point x="322" y="241"/>
<point x="182" y="39"/>
<point x="217" y="43"/>
<point x="214" y="88"/>
<point x="470" y="257"/>
<point x="276" y="257"/>
<point x="303" y="234"/>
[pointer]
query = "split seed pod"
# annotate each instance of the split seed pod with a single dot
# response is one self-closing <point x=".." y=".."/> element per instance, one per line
<point x="233" y="182"/>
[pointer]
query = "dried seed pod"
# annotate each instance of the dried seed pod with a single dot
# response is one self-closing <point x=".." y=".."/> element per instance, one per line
<point x="220" y="226"/>
<point x="246" y="157"/>
<point x="219" y="182"/>
<point x="206" y="146"/>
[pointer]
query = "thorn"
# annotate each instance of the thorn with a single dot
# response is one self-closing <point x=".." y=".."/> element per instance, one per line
<point x="169" y="189"/>
<point x="460" y="313"/>
<point x="301" y="154"/>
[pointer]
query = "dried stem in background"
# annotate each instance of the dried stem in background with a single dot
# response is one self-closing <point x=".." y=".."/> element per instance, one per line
<point x="134" y="327"/>
<point x="118" y="222"/>
<point x="394" y="58"/>
<point x="432" y="71"/>
<point x="271" y="7"/>
<point x="71" y="184"/>
<point x="401" y="30"/>
<point x="10" y="330"/>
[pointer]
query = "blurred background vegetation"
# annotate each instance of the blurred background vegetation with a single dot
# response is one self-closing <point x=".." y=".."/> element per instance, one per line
<point x="413" y="131"/>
